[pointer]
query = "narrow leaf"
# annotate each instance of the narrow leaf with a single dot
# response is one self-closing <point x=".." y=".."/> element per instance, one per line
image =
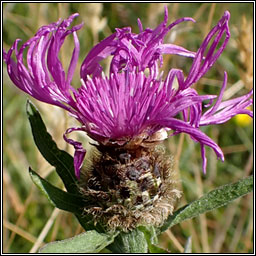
<point x="65" y="201"/>
<point x="60" y="159"/>
<point x="212" y="200"/>
<point x="156" y="249"/>
<point x="151" y="237"/>
<point x="149" y="233"/>
<point x="132" y="242"/>
<point x="59" y="198"/>
<point x="88" y="242"/>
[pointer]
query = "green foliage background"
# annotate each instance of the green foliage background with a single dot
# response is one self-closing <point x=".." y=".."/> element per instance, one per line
<point x="26" y="211"/>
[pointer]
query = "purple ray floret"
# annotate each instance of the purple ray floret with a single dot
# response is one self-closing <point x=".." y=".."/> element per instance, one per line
<point x="43" y="76"/>
<point x="135" y="100"/>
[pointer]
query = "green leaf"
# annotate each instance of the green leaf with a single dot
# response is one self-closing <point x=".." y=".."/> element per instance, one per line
<point x="212" y="200"/>
<point x="58" y="198"/>
<point x="149" y="233"/>
<point x="151" y="237"/>
<point x="60" y="159"/>
<point x="88" y="242"/>
<point x="156" y="249"/>
<point x="65" y="201"/>
<point x="132" y="242"/>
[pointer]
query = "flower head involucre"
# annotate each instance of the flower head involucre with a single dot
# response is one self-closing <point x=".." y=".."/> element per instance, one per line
<point x="133" y="103"/>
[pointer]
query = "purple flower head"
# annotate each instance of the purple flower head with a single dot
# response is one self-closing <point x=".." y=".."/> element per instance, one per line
<point x="133" y="103"/>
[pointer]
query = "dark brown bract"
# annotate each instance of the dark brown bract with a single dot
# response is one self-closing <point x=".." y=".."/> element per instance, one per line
<point x="129" y="187"/>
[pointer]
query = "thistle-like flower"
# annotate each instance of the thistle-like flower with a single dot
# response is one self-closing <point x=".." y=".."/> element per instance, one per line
<point x="128" y="112"/>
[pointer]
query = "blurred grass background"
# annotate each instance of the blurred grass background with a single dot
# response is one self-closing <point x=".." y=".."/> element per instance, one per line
<point x="29" y="220"/>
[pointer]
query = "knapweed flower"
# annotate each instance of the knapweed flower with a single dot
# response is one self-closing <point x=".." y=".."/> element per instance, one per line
<point x="129" y="110"/>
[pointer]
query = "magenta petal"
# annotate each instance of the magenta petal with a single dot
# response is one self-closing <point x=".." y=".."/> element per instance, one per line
<point x="201" y="63"/>
<point x="216" y="105"/>
<point x="53" y="62"/>
<point x="223" y="111"/>
<point x="79" y="150"/>
<point x="140" y="25"/>
<point x="195" y="133"/>
<point x="73" y="61"/>
<point x="131" y="50"/>
<point x="90" y="65"/>
<point x="78" y="160"/>
<point x="204" y="159"/>
<point x="175" y="49"/>
<point x="133" y="99"/>
<point x="44" y="80"/>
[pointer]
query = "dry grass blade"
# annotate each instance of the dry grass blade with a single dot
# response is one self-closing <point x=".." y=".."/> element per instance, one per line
<point x="221" y="231"/>
<point x="245" y="45"/>
<point x="174" y="240"/>
<point x="249" y="230"/>
<point x="20" y="218"/>
<point x="45" y="231"/>
<point x="202" y="217"/>
<point x="239" y="228"/>
<point x="209" y="21"/>
<point x="12" y="195"/>
<point x="56" y="227"/>
<point x="19" y="231"/>
<point x="234" y="149"/>
<point x="236" y="87"/>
